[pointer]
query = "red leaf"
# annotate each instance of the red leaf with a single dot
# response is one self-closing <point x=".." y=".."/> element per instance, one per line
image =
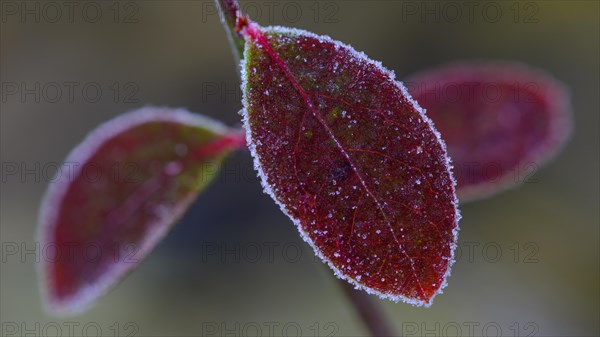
<point x="133" y="177"/>
<point x="352" y="160"/>
<point x="501" y="121"/>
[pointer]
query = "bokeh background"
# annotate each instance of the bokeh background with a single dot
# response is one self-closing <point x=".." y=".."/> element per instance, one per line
<point x="530" y="256"/>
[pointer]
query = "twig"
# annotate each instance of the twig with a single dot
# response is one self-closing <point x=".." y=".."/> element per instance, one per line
<point x="375" y="319"/>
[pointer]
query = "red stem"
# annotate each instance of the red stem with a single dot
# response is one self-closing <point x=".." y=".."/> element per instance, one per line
<point x="373" y="317"/>
<point x="230" y="9"/>
<point x="233" y="22"/>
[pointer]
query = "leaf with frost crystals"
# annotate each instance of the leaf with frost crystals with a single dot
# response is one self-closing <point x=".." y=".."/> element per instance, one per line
<point x="132" y="178"/>
<point x="352" y="160"/>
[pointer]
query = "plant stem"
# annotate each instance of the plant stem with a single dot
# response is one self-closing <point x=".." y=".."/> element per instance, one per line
<point x="236" y="139"/>
<point x="229" y="11"/>
<point x="375" y="319"/>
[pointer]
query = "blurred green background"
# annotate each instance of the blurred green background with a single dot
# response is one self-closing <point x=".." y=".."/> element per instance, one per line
<point x="530" y="256"/>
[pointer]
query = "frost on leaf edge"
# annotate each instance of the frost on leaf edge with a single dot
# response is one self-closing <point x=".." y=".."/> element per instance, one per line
<point x="56" y="190"/>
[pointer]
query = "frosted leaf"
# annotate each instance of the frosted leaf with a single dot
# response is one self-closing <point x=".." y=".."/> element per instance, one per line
<point x="162" y="155"/>
<point x="354" y="145"/>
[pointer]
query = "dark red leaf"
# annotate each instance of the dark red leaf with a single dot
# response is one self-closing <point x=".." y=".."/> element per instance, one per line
<point x="133" y="177"/>
<point x="352" y="160"/>
<point x="500" y="121"/>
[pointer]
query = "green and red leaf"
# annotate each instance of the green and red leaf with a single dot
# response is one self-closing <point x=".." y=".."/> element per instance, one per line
<point x="132" y="178"/>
